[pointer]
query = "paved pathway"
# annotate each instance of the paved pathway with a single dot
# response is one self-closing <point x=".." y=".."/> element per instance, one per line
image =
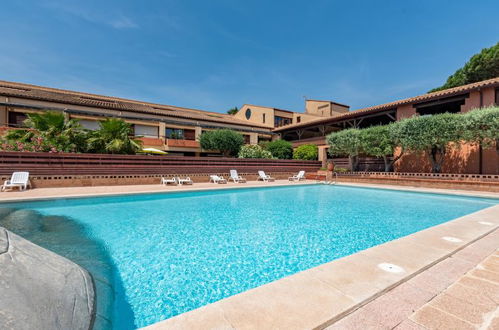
<point x="461" y="292"/>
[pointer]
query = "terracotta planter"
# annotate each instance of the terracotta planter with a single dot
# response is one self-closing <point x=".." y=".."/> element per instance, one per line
<point x="330" y="166"/>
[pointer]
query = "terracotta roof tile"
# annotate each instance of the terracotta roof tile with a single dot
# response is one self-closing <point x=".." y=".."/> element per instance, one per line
<point x="114" y="103"/>
<point x="391" y="105"/>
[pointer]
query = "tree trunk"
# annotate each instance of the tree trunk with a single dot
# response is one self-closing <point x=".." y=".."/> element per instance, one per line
<point x="391" y="163"/>
<point x="388" y="164"/>
<point x="353" y="162"/>
<point x="436" y="155"/>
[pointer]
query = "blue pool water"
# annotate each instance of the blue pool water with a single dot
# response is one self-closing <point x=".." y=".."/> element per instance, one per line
<point x="176" y="252"/>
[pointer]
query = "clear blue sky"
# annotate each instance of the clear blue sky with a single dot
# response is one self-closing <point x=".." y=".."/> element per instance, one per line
<point x="214" y="55"/>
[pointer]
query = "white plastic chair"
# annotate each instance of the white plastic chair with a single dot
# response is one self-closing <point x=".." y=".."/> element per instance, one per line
<point x="184" y="181"/>
<point x="264" y="177"/>
<point x="18" y="179"/>
<point x="235" y="177"/>
<point x="217" y="179"/>
<point x="298" y="177"/>
<point x="166" y="181"/>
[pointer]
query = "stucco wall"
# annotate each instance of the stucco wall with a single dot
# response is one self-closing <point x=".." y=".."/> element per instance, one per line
<point x="256" y="115"/>
<point x="3" y="116"/>
<point x="405" y="111"/>
<point x="465" y="159"/>
<point x="324" y="108"/>
<point x="473" y="101"/>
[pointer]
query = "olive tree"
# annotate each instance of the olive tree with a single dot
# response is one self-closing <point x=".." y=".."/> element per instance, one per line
<point x="381" y="141"/>
<point x="346" y="143"/>
<point x="227" y="141"/>
<point x="432" y="135"/>
<point x="481" y="126"/>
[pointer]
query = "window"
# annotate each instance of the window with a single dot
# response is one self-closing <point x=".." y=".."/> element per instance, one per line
<point x="298" y="119"/>
<point x="281" y="121"/>
<point x="174" y="133"/>
<point x="89" y="124"/>
<point x="248" y="113"/>
<point x="497" y="96"/>
<point x="263" y="118"/>
<point x="146" y="131"/>
<point x="16" y="119"/>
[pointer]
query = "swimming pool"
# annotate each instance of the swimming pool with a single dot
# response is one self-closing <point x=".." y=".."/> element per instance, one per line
<point x="174" y="252"/>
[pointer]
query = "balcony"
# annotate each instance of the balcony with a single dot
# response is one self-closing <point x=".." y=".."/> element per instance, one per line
<point x="182" y="143"/>
<point x="150" y="141"/>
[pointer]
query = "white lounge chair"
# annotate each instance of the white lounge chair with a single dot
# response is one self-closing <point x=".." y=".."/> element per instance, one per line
<point x="236" y="177"/>
<point x="184" y="181"/>
<point x="298" y="177"/>
<point x="166" y="181"/>
<point x="217" y="179"/>
<point x="264" y="177"/>
<point x="18" y="179"/>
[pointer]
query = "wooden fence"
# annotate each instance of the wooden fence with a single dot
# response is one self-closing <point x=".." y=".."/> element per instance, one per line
<point x="366" y="164"/>
<point x="102" y="164"/>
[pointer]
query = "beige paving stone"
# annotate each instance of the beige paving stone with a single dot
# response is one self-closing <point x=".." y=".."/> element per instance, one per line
<point x="494" y="323"/>
<point x="395" y="306"/>
<point x="491" y="264"/>
<point x="466" y="228"/>
<point x="360" y="320"/>
<point x="470" y="295"/>
<point x="357" y="276"/>
<point x="207" y="317"/>
<point x="479" y="250"/>
<point x="409" y="325"/>
<point x="434" y="237"/>
<point x="432" y="281"/>
<point x="487" y="288"/>
<point x="299" y="301"/>
<point x="460" y="308"/>
<point x="486" y="275"/>
<point x="433" y="318"/>
<point x="405" y="254"/>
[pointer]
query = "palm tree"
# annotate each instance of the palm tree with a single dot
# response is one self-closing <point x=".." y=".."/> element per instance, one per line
<point x="52" y="126"/>
<point x="113" y="136"/>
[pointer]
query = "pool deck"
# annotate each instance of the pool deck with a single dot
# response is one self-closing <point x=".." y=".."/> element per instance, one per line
<point x="446" y="276"/>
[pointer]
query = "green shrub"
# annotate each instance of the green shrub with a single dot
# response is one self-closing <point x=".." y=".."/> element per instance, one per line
<point x="254" y="151"/>
<point x="280" y="149"/>
<point x="227" y="141"/>
<point x="306" y="152"/>
<point x="341" y="169"/>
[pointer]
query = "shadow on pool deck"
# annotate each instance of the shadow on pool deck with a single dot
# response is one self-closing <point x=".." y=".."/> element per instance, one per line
<point x="69" y="239"/>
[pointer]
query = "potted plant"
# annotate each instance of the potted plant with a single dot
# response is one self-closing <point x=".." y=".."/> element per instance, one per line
<point x="330" y="166"/>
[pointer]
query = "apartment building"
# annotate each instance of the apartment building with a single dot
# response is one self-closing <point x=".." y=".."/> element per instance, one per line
<point x="273" y="117"/>
<point x="165" y="127"/>
<point x="467" y="159"/>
